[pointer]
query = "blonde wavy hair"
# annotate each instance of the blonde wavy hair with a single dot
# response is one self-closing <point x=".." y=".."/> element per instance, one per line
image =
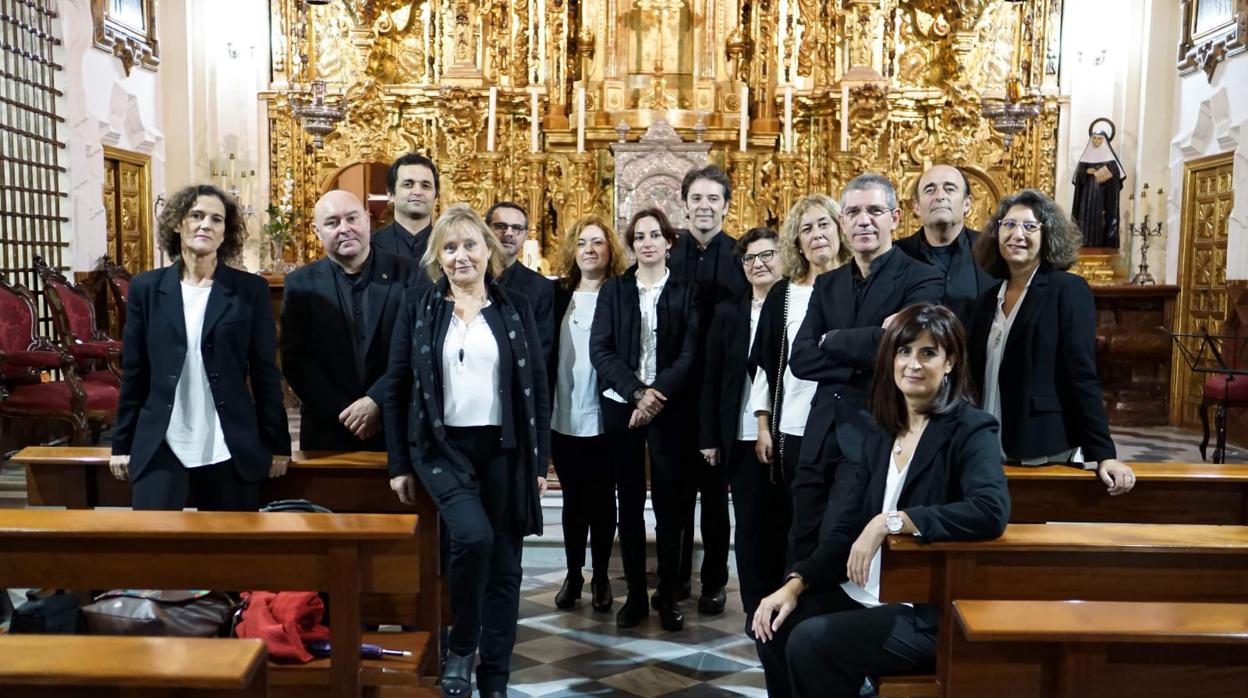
<point x="569" y="273"/>
<point x="461" y="219"/>
<point x="795" y="265"/>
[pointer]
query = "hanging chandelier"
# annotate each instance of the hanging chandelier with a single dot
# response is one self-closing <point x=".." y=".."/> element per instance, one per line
<point x="1010" y="115"/>
<point x="318" y="117"/>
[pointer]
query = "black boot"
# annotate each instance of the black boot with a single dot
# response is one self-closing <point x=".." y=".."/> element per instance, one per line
<point x="457" y="675"/>
<point x="712" y="602"/>
<point x="570" y="592"/>
<point x="633" y="611"/>
<point x="670" y="616"/>
<point x="601" y="590"/>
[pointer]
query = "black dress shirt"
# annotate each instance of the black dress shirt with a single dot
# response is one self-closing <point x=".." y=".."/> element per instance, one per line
<point x="353" y="302"/>
<point x="964" y="279"/>
<point x="397" y="240"/>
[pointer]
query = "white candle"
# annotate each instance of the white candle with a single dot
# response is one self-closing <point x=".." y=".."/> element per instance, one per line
<point x="533" y="133"/>
<point x="788" y="118"/>
<point x="580" y="119"/>
<point x="743" y="131"/>
<point x="493" y="118"/>
<point x="844" y="117"/>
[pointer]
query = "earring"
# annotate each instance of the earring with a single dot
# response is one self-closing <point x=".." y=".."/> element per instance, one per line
<point x="945" y="380"/>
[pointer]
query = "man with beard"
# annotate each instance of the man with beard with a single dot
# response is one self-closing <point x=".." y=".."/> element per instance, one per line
<point x="510" y="224"/>
<point x="942" y="198"/>
<point x="412" y="185"/>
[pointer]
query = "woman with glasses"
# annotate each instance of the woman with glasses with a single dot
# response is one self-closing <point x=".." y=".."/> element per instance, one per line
<point x="643" y="344"/>
<point x="728" y="428"/>
<point x="1033" y="343"/>
<point x="591" y="254"/>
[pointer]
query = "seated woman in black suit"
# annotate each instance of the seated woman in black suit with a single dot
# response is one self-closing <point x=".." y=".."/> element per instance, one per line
<point x="468" y="413"/>
<point x="934" y="471"/>
<point x="643" y="345"/>
<point x="200" y="411"/>
<point x="1033" y="343"/>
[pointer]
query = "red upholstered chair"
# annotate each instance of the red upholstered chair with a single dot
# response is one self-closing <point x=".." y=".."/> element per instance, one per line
<point x="73" y="315"/>
<point x="118" y="289"/>
<point x="1226" y="390"/>
<point x="86" y="405"/>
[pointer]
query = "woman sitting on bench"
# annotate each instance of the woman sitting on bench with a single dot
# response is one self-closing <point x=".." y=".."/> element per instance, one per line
<point x="934" y="472"/>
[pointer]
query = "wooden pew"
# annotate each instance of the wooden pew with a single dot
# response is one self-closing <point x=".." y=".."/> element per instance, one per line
<point x="56" y="666"/>
<point x="1098" y="562"/>
<point x="1165" y="493"/>
<point x="1106" y="649"/>
<point x="347" y="555"/>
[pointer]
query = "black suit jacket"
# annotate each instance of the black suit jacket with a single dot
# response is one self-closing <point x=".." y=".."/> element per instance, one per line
<point x="318" y="351"/>
<point x="390" y="240"/>
<point x="239" y="346"/>
<point x="955" y="489"/>
<point x="725" y="370"/>
<point x="1050" y="390"/>
<point x="965" y="281"/>
<point x="522" y="281"/>
<point x="843" y="365"/>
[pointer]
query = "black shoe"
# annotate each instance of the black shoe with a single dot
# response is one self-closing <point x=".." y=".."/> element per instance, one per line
<point x="712" y="603"/>
<point x="632" y="613"/>
<point x="570" y="592"/>
<point x="670" y="616"/>
<point x="457" y="675"/>
<point x="600" y="587"/>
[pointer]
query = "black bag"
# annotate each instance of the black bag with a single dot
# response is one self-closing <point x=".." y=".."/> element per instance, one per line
<point x="295" y="505"/>
<point x="47" y="614"/>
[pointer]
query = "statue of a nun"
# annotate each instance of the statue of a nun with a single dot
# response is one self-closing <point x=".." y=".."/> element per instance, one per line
<point x="1098" y="182"/>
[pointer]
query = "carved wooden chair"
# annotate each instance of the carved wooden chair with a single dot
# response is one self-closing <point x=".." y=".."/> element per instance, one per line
<point x="87" y="406"/>
<point x="118" y="290"/>
<point x="1227" y="390"/>
<point x="73" y="315"/>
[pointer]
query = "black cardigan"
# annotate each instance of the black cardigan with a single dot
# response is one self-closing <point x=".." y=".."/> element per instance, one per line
<point x="724" y="372"/>
<point x="955" y="489"/>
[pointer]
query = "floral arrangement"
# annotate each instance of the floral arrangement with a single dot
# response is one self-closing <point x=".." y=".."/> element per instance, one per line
<point x="282" y="216"/>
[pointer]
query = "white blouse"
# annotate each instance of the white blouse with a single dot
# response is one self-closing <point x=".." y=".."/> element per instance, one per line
<point x="869" y="596"/>
<point x="194" y="434"/>
<point x="747" y="426"/>
<point x="576" y="409"/>
<point x="648" y="366"/>
<point x="798" y="393"/>
<point x="470" y="374"/>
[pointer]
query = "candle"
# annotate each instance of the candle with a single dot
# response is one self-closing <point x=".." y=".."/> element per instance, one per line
<point x="580" y="119"/>
<point x="492" y="123"/>
<point x="1130" y="217"/>
<point x="743" y="131"/>
<point x="533" y="133"/>
<point x="844" y="116"/>
<point x="788" y="118"/>
<point x="1144" y="203"/>
<point x="1159" y="208"/>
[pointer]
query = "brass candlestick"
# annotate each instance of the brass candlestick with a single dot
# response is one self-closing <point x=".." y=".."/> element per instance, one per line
<point x="1145" y="232"/>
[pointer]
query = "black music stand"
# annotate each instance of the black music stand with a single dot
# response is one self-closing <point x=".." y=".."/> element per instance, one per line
<point x="1208" y="357"/>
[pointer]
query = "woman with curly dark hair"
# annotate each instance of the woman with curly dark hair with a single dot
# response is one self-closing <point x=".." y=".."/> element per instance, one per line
<point x="188" y="421"/>
<point x="1033" y="342"/>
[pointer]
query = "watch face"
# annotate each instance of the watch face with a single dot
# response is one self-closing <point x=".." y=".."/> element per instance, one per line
<point x="894" y="523"/>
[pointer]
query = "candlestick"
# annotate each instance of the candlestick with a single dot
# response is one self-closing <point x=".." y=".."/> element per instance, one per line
<point x="1159" y="208"/>
<point x="533" y="132"/>
<point x="743" y="131"/>
<point x="788" y="118"/>
<point x="1144" y="202"/>
<point x="491" y="125"/>
<point x="580" y="119"/>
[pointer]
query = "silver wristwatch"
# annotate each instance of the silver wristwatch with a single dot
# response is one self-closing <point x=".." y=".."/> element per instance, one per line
<point x="893" y="522"/>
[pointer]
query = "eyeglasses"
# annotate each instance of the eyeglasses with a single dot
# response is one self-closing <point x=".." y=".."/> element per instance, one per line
<point x="765" y="256"/>
<point x="1009" y="225"/>
<point x="872" y="211"/>
<point x="501" y="227"/>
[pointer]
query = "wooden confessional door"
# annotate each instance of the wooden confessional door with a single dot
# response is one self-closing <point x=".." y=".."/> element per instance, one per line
<point x="1207" y="202"/>
<point x="128" y="205"/>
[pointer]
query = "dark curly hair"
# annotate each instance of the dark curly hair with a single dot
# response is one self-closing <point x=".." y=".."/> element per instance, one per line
<point x="169" y="224"/>
<point x="1059" y="236"/>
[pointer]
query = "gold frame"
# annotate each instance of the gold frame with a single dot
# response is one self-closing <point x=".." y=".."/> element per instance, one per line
<point x="133" y="45"/>
<point x="1206" y="49"/>
<point x="147" y="243"/>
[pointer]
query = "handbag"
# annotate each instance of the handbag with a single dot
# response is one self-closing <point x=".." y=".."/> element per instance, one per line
<point x="174" y="613"/>
<point x="47" y="614"/>
<point x="296" y="505"/>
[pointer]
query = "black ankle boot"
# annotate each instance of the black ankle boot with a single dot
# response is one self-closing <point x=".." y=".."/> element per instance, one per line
<point x="570" y="592"/>
<point x="600" y="587"/>
<point x="670" y="616"/>
<point x="457" y="675"/>
<point x="633" y="611"/>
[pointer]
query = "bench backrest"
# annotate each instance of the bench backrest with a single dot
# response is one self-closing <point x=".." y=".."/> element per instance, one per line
<point x="1102" y="621"/>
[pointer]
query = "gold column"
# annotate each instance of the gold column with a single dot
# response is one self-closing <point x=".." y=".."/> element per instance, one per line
<point x="583" y="192"/>
<point x="743" y="211"/>
<point x="790" y="187"/>
<point x="535" y="201"/>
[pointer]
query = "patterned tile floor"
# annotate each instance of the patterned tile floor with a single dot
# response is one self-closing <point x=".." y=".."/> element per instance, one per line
<point x="582" y="653"/>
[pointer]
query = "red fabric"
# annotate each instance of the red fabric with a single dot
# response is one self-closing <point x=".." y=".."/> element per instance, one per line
<point x="1223" y="388"/>
<point x="34" y="359"/>
<point x="93" y="350"/>
<point x="78" y="310"/>
<point x="105" y="376"/>
<point x="286" y="621"/>
<point x="17" y="323"/>
<point x="54" y="397"/>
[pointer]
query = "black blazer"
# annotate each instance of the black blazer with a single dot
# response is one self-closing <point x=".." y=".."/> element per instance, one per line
<point x="317" y="348"/>
<point x="955" y="489"/>
<point x="239" y="346"/>
<point x="562" y="299"/>
<point x="522" y="281"/>
<point x="844" y="364"/>
<point x="615" y="340"/>
<point x="725" y="370"/>
<point x="391" y="240"/>
<point x="416" y="439"/>
<point x="960" y="293"/>
<point x="1049" y="387"/>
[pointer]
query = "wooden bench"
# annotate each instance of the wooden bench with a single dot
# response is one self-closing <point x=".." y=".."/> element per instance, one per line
<point x="1100" y="562"/>
<point x="373" y="566"/>
<point x="1164" y="493"/>
<point x="52" y="666"/>
<point x="1106" y="649"/>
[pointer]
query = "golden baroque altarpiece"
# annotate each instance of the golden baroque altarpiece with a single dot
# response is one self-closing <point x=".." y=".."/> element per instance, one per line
<point x="889" y="86"/>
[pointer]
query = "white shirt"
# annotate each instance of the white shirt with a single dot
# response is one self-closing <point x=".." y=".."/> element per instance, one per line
<point x="747" y="426"/>
<point x="470" y="374"/>
<point x="648" y="366"/>
<point x="798" y="393"/>
<point x="870" y="596"/>
<point x="194" y="434"/>
<point x="576" y="410"/>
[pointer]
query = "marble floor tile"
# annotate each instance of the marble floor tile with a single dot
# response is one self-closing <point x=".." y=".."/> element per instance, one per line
<point x="649" y="682"/>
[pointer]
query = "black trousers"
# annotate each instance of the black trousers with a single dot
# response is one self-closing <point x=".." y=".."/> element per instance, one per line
<point x="166" y="483"/>
<point x="588" y="487"/>
<point x="626" y="450"/>
<point x="763" y="509"/>
<point x="711" y="482"/>
<point x="485" y="549"/>
<point x="831" y="643"/>
<point x="813" y="477"/>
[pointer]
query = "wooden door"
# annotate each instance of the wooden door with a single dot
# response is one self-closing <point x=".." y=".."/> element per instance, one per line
<point x="127" y="204"/>
<point x="1207" y="202"/>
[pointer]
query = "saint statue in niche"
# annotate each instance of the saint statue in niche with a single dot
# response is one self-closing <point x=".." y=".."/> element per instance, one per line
<point x="1098" y="182"/>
